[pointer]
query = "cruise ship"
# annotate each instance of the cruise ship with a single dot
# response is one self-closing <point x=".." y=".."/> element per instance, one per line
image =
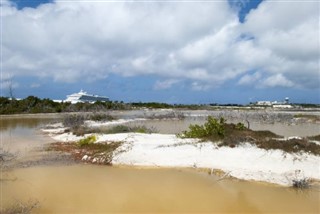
<point x="84" y="97"/>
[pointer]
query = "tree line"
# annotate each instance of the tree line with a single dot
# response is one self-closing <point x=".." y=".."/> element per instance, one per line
<point x="32" y="104"/>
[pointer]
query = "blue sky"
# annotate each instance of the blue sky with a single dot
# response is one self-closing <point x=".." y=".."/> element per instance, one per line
<point x="178" y="52"/>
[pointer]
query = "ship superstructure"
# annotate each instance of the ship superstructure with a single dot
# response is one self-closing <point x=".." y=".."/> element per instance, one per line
<point x="84" y="97"/>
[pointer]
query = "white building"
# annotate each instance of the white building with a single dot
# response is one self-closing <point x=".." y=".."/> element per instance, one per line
<point x="275" y="104"/>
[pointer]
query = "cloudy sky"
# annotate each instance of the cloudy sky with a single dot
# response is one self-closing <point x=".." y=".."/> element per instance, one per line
<point x="209" y="51"/>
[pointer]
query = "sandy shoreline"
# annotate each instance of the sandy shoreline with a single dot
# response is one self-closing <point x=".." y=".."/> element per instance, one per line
<point x="245" y="162"/>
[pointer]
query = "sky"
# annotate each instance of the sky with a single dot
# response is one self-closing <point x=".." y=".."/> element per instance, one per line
<point x="190" y="52"/>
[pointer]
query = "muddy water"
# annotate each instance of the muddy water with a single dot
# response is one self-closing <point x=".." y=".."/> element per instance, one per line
<point x="21" y="133"/>
<point x="100" y="189"/>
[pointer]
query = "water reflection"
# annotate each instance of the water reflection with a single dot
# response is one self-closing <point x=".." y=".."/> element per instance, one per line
<point x="26" y="121"/>
<point x="21" y="134"/>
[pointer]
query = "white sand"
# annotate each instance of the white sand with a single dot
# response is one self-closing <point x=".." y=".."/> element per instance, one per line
<point x="91" y="123"/>
<point x="244" y="162"/>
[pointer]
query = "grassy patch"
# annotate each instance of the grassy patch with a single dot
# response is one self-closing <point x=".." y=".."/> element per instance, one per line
<point x="101" y="152"/>
<point x="88" y="140"/>
<point x="233" y="134"/>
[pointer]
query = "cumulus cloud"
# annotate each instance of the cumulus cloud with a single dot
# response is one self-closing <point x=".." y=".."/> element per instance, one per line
<point x="277" y="80"/>
<point x="249" y="79"/>
<point x="203" y="43"/>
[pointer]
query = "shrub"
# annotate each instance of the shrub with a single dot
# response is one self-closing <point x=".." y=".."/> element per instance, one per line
<point x="88" y="140"/>
<point x="240" y="126"/>
<point x="212" y="128"/>
<point x="301" y="183"/>
<point x="74" y="120"/>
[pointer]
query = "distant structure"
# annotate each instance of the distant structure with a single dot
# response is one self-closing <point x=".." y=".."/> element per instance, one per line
<point x="275" y="104"/>
<point x="84" y="97"/>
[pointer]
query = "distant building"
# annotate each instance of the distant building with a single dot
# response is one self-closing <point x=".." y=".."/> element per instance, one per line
<point x="264" y="103"/>
<point x="84" y="97"/>
<point x="275" y="104"/>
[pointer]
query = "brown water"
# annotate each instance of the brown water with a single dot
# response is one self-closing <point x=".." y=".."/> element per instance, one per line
<point x="21" y="133"/>
<point x="101" y="189"/>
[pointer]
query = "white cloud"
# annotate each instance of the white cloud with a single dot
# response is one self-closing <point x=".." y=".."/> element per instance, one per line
<point x="160" y="85"/>
<point x="289" y="32"/>
<point x="277" y="80"/>
<point x="203" y="43"/>
<point x="249" y="79"/>
<point x="197" y="86"/>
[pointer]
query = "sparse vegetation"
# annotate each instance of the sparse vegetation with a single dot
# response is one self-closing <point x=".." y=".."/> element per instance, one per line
<point x="168" y="115"/>
<point x="101" y="117"/>
<point x="301" y="183"/>
<point x="87" y="141"/>
<point x="307" y="117"/>
<point x="316" y="137"/>
<point x="213" y="129"/>
<point x="99" y="153"/>
<point x="232" y="135"/>
<point x="6" y="158"/>
<point x="73" y="120"/>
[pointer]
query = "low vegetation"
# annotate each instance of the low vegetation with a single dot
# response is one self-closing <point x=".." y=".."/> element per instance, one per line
<point x="232" y="135"/>
<point x="33" y="104"/>
<point x="98" y="153"/>
<point x="301" y="183"/>
<point x="87" y="141"/>
<point x="316" y="137"/>
<point x="82" y="130"/>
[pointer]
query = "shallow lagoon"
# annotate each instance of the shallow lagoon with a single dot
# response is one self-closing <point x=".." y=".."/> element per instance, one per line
<point x="89" y="188"/>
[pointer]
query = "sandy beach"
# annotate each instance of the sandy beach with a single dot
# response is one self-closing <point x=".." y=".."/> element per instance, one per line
<point x="167" y="150"/>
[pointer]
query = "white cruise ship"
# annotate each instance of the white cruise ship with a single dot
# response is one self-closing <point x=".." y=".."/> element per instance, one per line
<point x="84" y="97"/>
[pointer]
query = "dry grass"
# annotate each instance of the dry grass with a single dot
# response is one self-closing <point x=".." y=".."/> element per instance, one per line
<point x="95" y="150"/>
<point x="82" y="130"/>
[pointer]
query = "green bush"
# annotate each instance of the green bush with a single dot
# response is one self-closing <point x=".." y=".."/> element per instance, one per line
<point x="240" y="126"/>
<point x="88" y="140"/>
<point x="212" y="128"/>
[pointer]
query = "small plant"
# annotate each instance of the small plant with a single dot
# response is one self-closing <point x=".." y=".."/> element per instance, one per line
<point x="301" y="183"/>
<point x="240" y="126"/>
<point x="88" y="140"/>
